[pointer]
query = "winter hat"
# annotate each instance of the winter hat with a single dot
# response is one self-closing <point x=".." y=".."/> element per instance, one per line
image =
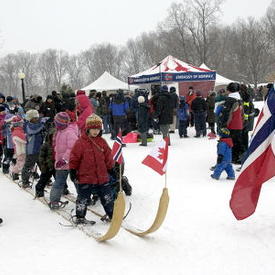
<point x="2" y="96"/>
<point x="32" y="114"/>
<point x="9" y="98"/>
<point x="224" y="133"/>
<point x="141" y="99"/>
<point x="80" y="92"/>
<point x="93" y="122"/>
<point x="49" y="97"/>
<point x="2" y="108"/>
<point x="233" y="87"/>
<point x="61" y="120"/>
<point x="172" y="89"/>
<point x="164" y="88"/>
<point x="17" y="121"/>
<point x="182" y="98"/>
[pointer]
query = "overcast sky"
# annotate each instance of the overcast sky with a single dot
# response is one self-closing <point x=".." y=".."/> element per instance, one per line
<point x="74" y="25"/>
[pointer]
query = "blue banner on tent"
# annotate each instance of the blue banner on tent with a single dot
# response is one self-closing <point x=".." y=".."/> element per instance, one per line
<point x="173" y="77"/>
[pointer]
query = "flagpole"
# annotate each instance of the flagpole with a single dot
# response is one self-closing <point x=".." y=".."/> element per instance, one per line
<point x="120" y="185"/>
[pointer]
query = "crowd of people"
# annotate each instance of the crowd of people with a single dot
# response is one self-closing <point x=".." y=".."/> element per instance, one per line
<point x="63" y="136"/>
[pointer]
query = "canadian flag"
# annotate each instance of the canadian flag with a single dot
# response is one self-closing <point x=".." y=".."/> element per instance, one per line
<point x="157" y="159"/>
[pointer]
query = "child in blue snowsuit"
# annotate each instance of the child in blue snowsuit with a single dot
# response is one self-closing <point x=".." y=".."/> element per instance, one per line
<point x="183" y="115"/>
<point x="224" y="150"/>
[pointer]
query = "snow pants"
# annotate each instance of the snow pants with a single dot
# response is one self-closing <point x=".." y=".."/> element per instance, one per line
<point x="105" y="192"/>
<point x="224" y="166"/>
<point x="43" y="181"/>
<point x="31" y="160"/>
<point x="200" y="123"/>
<point x="20" y="161"/>
<point x="59" y="185"/>
<point x="183" y="127"/>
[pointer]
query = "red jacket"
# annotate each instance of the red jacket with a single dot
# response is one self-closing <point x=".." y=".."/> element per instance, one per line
<point x="85" y="109"/>
<point x="92" y="159"/>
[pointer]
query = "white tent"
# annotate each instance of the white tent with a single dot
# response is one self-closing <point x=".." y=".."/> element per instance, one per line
<point x="220" y="80"/>
<point x="106" y="82"/>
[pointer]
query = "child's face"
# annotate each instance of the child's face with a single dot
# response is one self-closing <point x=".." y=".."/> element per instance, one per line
<point x="94" y="132"/>
<point x="34" y="120"/>
<point x="2" y="113"/>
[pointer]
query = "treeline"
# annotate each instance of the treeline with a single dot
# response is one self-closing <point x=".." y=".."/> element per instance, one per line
<point x="192" y="32"/>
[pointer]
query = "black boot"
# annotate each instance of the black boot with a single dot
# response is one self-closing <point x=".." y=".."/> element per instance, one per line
<point x="15" y="176"/>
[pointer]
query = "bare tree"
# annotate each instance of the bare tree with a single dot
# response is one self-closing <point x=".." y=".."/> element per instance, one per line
<point x="75" y="72"/>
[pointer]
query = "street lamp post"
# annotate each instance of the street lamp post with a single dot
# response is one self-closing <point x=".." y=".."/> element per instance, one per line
<point x="21" y="76"/>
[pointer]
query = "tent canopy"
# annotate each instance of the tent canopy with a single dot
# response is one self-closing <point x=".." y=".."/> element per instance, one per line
<point x="220" y="80"/>
<point x="171" y="69"/>
<point x="106" y="82"/>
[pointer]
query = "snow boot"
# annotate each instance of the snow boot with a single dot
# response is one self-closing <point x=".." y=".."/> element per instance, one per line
<point x="15" y="176"/>
<point x="78" y="220"/>
<point x="5" y="168"/>
<point x="56" y="205"/>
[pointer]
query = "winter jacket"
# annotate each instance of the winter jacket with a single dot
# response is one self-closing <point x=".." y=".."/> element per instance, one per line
<point x="164" y="109"/>
<point x="143" y="117"/>
<point x="64" y="141"/>
<point x="92" y="159"/>
<point x="34" y="132"/>
<point x="19" y="140"/>
<point x="224" y="148"/>
<point x="46" y="155"/>
<point x="248" y="113"/>
<point x="210" y="101"/>
<point x="183" y="111"/>
<point x="231" y="116"/>
<point x="199" y="105"/>
<point x="2" y="122"/>
<point x="85" y="109"/>
<point x="119" y="109"/>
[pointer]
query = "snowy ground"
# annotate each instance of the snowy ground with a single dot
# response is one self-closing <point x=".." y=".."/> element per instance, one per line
<point x="199" y="236"/>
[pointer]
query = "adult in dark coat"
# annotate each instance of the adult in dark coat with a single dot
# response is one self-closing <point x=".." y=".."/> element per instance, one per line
<point x="164" y="111"/>
<point x="175" y="104"/>
<point x="231" y="117"/>
<point x="248" y="115"/>
<point x="47" y="108"/>
<point x="211" y="119"/>
<point x="143" y="118"/>
<point x="199" y="108"/>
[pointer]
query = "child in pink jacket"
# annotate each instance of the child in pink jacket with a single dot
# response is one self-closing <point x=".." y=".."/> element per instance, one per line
<point x="19" y="141"/>
<point x="63" y="142"/>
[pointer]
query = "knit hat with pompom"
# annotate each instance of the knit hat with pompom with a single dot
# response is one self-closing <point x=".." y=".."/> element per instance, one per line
<point x="61" y="120"/>
<point x="93" y="122"/>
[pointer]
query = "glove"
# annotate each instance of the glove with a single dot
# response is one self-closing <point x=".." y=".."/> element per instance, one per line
<point x="44" y="119"/>
<point x="61" y="163"/>
<point x="73" y="175"/>
<point x="219" y="159"/>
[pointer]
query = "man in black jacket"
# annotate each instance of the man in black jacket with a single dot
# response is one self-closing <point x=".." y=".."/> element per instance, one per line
<point x="199" y="108"/>
<point x="164" y="111"/>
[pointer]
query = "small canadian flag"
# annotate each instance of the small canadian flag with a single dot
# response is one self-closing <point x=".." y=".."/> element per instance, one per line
<point x="157" y="159"/>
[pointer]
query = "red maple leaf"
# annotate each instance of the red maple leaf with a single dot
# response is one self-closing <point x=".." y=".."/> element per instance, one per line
<point x="161" y="153"/>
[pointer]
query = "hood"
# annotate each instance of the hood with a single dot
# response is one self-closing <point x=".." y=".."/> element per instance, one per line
<point x="83" y="102"/>
<point x="235" y="95"/>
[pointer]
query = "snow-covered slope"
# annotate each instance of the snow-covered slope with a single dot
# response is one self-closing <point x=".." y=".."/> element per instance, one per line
<point x="199" y="236"/>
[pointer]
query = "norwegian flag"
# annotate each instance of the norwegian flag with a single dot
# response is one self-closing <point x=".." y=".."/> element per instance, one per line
<point x="157" y="159"/>
<point x="259" y="164"/>
<point x="117" y="149"/>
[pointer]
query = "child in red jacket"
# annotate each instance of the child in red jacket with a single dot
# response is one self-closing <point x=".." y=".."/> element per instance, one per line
<point x="90" y="164"/>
